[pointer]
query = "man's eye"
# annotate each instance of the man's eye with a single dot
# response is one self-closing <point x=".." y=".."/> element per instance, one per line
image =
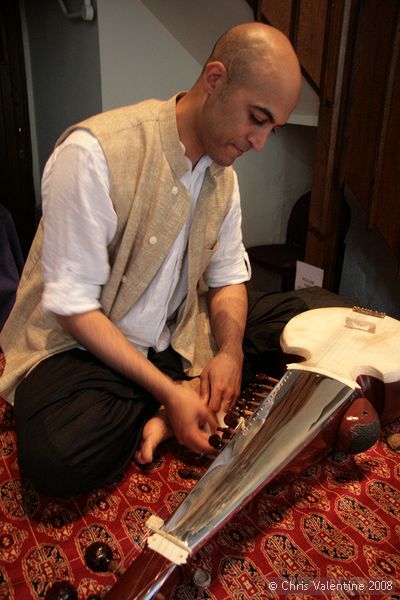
<point x="258" y="121"/>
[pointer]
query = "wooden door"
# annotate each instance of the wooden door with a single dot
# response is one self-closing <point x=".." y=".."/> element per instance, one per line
<point x="369" y="161"/>
<point x="303" y="21"/>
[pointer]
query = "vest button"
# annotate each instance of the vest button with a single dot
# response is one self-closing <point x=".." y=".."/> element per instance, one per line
<point x="123" y="279"/>
<point x="153" y="240"/>
<point x="175" y="190"/>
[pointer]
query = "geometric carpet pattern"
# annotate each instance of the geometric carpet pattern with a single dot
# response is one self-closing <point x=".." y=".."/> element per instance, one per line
<point x="332" y="532"/>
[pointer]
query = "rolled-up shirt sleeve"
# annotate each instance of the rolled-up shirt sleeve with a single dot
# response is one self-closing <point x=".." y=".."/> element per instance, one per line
<point x="230" y="263"/>
<point x="79" y="223"/>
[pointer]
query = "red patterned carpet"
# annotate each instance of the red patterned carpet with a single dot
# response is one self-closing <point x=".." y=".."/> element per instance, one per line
<point x="339" y="522"/>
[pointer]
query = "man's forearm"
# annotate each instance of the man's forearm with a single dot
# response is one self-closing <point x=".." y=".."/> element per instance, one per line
<point x="187" y="413"/>
<point x="220" y="380"/>
<point x="95" y="332"/>
<point x="228" y="313"/>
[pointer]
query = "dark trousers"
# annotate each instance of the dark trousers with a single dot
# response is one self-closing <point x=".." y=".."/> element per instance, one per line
<point x="79" y="422"/>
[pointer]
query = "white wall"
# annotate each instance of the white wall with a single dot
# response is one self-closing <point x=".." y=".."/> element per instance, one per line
<point x="154" y="53"/>
<point x="272" y="180"/>
<point x="63" y="75"/>
<point x="139" y="58"/>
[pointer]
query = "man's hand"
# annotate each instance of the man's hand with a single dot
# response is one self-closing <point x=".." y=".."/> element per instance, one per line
<point x="187" y="414"/>
<point x="220" y="380"/>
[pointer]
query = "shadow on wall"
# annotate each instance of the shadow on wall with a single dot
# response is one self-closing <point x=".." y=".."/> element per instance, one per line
<point x="369" y="269"/>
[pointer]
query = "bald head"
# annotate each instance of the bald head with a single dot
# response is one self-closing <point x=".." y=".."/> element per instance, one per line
<point x="250" y="47"/>
<point x="248" y="87"/>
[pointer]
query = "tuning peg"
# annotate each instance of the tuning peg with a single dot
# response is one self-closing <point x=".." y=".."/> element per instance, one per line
<point x="249" y="403"/>
<point x="263" y="379"/>
<point x="256" y="394"/>
<point x="243" y="411"/>
<point x="231" y="419"/>
<point x="216" y="441"/>
<point x="244" y="407"/>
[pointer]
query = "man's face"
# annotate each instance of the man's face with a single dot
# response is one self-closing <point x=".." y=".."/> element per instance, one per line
<point x="238" y="118"/>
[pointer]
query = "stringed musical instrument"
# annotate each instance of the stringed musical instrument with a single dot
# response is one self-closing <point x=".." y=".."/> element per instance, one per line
<point x="340" y="348"/>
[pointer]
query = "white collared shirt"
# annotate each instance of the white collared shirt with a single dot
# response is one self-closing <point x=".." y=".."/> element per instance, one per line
<point x="80" y="222"/>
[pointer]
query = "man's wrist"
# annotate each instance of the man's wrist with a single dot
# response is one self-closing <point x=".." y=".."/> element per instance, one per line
<point x="166" y="392"/>
<point x="233" y="350"/>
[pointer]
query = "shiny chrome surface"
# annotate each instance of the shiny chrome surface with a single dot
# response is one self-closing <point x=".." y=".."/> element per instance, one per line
<point x="300" y="406"/>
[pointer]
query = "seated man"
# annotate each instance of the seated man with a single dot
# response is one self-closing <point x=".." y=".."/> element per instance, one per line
<point x="135" y="282"/>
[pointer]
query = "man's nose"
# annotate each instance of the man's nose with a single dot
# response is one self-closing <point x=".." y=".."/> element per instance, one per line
<point x="258" y="138"/>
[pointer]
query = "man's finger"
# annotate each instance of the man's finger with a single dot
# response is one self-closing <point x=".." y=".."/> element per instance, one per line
<point x="198" y="442"/>
<point x="221" y="399"/>
<point x="227" y="403"/>
<point x="212" y="420"/>
<point x="204" y="389"/>
<point x="203" y="444"/>
<point x="215" y="398"/>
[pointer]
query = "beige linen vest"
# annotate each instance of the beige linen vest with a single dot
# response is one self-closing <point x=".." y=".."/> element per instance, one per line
<point x="145" y="161"/>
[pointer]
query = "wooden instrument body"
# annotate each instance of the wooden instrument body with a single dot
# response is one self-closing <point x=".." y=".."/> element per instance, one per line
<point x="144" y="577"/>
<point x="359" y="347"/>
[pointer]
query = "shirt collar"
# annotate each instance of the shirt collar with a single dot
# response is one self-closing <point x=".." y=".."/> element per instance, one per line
<point x="204" y="162"/>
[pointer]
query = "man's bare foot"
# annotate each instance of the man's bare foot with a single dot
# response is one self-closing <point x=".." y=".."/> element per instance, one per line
<point x="155" y="431"/>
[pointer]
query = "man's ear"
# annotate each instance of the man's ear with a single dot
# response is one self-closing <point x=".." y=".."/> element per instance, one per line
<point x="215" y="75"/>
